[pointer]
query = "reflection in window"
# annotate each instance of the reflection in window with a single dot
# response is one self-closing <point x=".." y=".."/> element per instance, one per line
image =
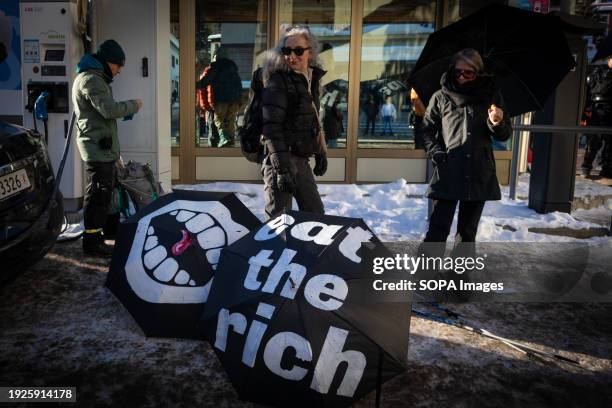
<point x="330" y="21"/>
<point x="394" y="34"/>
<point x="174" y="73"/>
<point x="230" y="41"/>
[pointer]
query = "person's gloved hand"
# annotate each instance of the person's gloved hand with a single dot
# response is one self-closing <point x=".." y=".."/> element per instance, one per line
<point x="320" y="165"/>
<point x="438" y="157"/>
<point x="281" y="162"/>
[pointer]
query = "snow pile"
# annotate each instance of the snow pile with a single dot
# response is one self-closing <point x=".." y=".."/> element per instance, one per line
<point x="398" y="210"/>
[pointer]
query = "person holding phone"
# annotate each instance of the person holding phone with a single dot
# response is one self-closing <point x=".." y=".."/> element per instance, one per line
<point x="96" y="114"/>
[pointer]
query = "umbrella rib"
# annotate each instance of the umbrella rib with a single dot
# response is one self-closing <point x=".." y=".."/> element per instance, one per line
<point x="518" y="78"/>
<point x="435" y="61"/>
<point x="361" y="331"/>
<point x="326" y="247"/>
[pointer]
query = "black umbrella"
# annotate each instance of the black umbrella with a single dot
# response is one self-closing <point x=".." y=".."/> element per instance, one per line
<point x="384" y="87"/>
<point x="340" y="85"/>
<point x="166" y="254"/>
<point x="293" y="317"/>
<point x="604" y="49"/>
<point x="334" y="91"/>
<point x="526" y="52"/>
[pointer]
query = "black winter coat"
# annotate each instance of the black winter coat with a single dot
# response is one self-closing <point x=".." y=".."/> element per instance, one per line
<point x="457" y="123"/>
<point x="599" y="96"/>
<point x="290" y="122"/>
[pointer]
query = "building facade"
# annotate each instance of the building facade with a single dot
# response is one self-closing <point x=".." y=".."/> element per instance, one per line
<point x="368" y="48"/>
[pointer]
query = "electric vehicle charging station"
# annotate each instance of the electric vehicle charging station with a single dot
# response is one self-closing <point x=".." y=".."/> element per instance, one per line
<point x="51" y="48"/>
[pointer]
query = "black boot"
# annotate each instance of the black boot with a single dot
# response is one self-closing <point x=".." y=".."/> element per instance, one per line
<point x="605" y="173"/>
<point x="585" y="172"/>
<point x="111" y="225"/>
<point x="93" y="245"/>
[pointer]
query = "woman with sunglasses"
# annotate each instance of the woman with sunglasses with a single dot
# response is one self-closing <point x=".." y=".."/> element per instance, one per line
<point x="291" y="127"/>
<point x="459" y="122"/>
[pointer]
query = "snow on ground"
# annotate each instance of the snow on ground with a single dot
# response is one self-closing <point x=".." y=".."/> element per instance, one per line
<point x="398" y="210"/>
<point x="581" y="188"/>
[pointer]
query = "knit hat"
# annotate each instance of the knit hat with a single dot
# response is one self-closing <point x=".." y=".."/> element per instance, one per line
<point x="111" y="51"/>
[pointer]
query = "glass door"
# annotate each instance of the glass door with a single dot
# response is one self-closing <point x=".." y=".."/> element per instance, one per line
<point x="230" y="38"/>
<point x="393" y="36"/>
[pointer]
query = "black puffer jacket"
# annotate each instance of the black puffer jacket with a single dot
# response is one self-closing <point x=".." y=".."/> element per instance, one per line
<point x="456" y="122"/>
<point x="290" y="121"/>
<point x="224" y="78"/>
<point x="599" y="96"/>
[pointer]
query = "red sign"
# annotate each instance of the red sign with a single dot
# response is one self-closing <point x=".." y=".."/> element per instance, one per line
<point x="540" y="6"/>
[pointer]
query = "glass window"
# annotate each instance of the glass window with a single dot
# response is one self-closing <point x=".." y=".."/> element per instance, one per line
<point x="330" y="21"/>
<point x="230" y="40"/>
<point x="394" y="34"/>
<point x="174" y="73"/>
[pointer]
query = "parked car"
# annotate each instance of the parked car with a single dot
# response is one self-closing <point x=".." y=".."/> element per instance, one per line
<point x="31" y="210"/>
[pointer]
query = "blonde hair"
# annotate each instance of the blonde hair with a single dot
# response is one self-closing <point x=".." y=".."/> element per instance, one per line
<point x="275" y="61"/>
<point x="471" y="57"/>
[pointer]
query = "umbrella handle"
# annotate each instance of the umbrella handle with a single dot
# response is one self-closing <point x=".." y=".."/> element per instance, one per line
<point x="379" y="378"/>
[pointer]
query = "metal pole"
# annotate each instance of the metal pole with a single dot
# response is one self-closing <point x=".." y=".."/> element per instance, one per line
<point x="563" y="129"/>
<point x="514" y="169"/>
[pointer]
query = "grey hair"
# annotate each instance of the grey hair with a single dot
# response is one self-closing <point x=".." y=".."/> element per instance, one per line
<point x="471" y="57"/>
<point x="275" y="61"/>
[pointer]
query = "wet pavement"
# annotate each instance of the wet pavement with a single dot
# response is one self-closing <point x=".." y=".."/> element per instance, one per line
<point x="60" y="326"/>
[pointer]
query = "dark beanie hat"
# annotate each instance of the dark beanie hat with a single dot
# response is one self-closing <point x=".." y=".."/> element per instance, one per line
<point x="110" y="51"/>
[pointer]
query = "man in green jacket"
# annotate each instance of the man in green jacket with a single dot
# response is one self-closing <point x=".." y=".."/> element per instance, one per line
<point x="96" y="122"/>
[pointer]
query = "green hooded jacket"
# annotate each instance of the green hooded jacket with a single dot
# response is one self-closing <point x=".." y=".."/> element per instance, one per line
<point x="96" y="111"/>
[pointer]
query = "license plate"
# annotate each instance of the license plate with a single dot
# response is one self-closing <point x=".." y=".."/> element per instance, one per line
<point x="13" y="183"/>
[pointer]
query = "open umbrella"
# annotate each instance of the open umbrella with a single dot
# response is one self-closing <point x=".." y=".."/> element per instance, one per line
<point x="526" y="52"/>
<point x="294" y="319"/>
<point x="334" y="91"/>
<point x="166" y="254"/>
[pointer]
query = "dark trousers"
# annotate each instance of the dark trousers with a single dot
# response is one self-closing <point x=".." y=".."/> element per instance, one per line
<point x="387" y="125"/>
<point x="213" y="132"/>
<point x="98" y="193"/>
<point x="419" y="142"/>
<point x="306" y="194"/>
<point x="441" y="220"/>
<point x="594" y="143"/>
<point x="370" y="121"/>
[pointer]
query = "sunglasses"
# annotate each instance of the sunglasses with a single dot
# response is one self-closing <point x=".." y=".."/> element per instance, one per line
<point x="299" y="51"/>
<point x="466" y="73"/>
